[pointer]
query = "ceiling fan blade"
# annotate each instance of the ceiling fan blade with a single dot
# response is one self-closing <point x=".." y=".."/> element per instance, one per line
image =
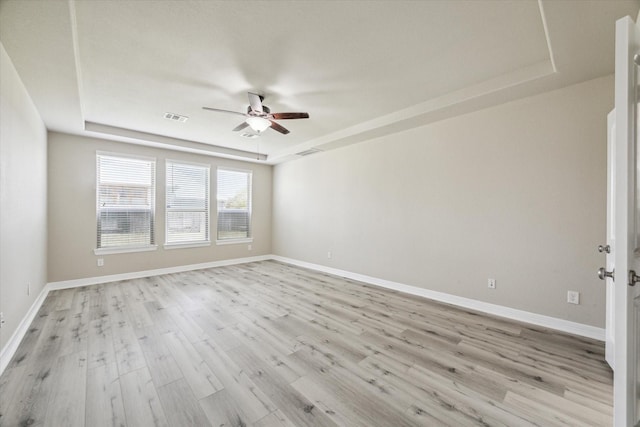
<point x="240" y="126"/>
<point x="284" y="116"/>
<point x="223" y="111"/>
<point x="278" y="128"/>
<point x="255" y="101"/>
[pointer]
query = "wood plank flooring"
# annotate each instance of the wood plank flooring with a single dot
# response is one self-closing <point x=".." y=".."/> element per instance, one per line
<point x="267" y="344"/>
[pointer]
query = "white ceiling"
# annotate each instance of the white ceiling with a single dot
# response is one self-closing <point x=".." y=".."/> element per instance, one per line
<point x="361" y="69"/>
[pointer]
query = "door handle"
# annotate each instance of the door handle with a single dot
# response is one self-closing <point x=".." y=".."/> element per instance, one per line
<point x="605" y="248"/>
<point x="633" y="278"/>
<point x="603" y="273"/>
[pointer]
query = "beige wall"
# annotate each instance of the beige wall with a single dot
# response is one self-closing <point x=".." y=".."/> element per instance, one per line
<point x="23" y="199"/>
<point x="72" y="216"/>
<point x="515" y="192"/>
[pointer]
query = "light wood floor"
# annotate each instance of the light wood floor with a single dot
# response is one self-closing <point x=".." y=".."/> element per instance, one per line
<point x="268" y="344"/>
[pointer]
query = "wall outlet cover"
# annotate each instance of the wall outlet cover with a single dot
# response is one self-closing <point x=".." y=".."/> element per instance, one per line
<point x="573" y="297"/>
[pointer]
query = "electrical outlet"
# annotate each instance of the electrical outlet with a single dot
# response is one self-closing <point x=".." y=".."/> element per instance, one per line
<point x="491" y="283"/>
<point x="573" y="297"/>
<point x="100" y="262"/>
<point x="249" y="247"/>
<point x="329" y="254"/>
<point x="1" y="319"/>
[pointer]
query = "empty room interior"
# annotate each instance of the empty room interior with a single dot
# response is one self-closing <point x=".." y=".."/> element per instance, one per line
<point x="318" y="213"/>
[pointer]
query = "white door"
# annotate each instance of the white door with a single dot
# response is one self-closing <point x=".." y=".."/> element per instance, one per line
<point x="626" y="293"/>
<point x="609" y="247"/>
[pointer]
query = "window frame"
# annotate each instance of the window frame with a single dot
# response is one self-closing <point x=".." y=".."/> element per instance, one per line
<point x="152" y="206"/>
<point x="249" y="237"/>
<point x="187" y="244"/>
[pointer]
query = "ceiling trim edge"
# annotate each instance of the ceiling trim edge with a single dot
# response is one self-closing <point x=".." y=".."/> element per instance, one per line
<point x="76" y="55"/>
<point x="159" y="141"/>
<point x="543" y="16"/>
<point x="425" y="109"/>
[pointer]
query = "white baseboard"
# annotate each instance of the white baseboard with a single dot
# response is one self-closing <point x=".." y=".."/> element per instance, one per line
<point x="11" y="346"/>
<point x="580" y="329"/>
<point x="65" y="284"/>
<point x="484" y="307"/>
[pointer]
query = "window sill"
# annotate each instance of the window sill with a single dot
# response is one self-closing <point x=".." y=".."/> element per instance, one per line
<point x="170" y="246"/>
<point x="122" y="250"/>
<point x="234" y="241"/>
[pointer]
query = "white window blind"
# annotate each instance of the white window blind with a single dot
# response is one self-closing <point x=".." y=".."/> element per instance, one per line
<point x="234" y="204"/>
<point x="126" y="200"/>
<point x="187" y="203"/>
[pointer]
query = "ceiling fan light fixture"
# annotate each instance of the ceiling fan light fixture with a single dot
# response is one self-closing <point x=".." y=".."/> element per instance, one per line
<point x="258" y="124"/>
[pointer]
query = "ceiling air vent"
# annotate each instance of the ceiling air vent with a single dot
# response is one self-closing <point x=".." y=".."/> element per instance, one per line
<point x="308" y="152"/>
<point x="176" y="117"/>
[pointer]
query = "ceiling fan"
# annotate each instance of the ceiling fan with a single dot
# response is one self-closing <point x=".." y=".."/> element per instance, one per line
<point x="259" y="117"/>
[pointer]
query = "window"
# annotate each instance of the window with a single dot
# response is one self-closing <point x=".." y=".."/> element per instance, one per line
<point x="234" y="204"/>
<point x="187" y="203"/>
<point x="125" y="202"/>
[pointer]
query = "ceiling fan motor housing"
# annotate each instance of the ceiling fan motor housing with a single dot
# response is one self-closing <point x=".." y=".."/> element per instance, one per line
<point x="265" y="110"/>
